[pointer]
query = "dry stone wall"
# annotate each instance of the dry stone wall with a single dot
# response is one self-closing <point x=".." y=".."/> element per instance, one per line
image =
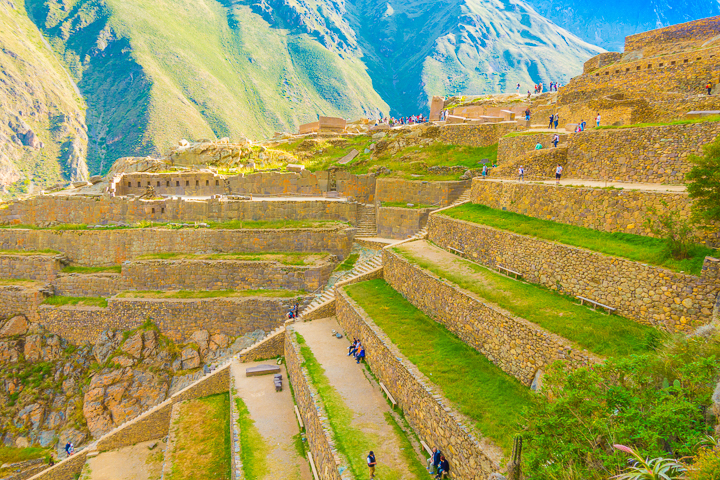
<point x="430" y="414"/>
<point x="515" y="148"/>
<point x="68" y="469"/>
<point x="683" y="36"/>
<point x="482" y="135"/>
<point x="30" y="267"/>
<point x="538" y="164"/>
<point x="649" y="154"/>
<point x="644" y="293"/>
<point x="441" y="194"/>
<point x="519" y="347"/>
<point x="312" y="411"/>
<point x="399" y="223"/>
<point x="111" y="247"/>
<point x="20" y="299"/>
<point x="176" y="318"/>
<point x="600" y="209"/>
<point x="49" y="210"/>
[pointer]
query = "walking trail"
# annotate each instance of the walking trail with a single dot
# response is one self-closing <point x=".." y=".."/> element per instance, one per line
<point x="137" y="462"/>
<point x="363" y="398"/>
<point x="275" y="420"/>
<point x="651" y="187"/>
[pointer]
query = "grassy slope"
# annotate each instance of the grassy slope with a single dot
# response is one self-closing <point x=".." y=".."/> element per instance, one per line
<point x="634" y="247"/>
<point x="605" y="335"/>
<point x="478" y="388"/>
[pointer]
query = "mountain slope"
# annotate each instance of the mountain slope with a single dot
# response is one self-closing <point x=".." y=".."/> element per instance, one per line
<point x="607" y="23"/>
<point x="43" y="136"/>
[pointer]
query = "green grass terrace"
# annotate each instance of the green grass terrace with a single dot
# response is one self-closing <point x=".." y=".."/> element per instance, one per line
<point x="639" y="248"/>
<point x="477" y="388"/>
<point x="602" y="334"/>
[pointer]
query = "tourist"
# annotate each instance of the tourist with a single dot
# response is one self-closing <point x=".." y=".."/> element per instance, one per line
<point x="356" y="349"/>
<point x="552" y="120"/>
<point x="434" y="460"/>
<point x="484" y="172"/>
<point x="521" y="173"/>
<point x="557" y="120"/>
<point x="361" y="355"/>
<point x="555" y="140"/>
<point x="558" y="173"/>
<point x="518" y="89"/>
<point x="597" y="120"/>
<point x="371" y="464"/>
<point x="709" y="88"/>
<point x="528" y="93"/>
<point x="443" y="468"/>
<point x="351" y="348"/>
<point x="583" y="124"/>
<point x="538" y="146"/>
<point x="527" y="114"/>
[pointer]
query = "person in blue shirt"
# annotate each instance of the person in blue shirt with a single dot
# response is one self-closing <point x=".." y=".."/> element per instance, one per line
<point x="434" y="461"/>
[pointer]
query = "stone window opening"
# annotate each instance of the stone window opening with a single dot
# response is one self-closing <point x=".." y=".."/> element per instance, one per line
<point x="672" y="63"/>
<point x="649" y="65"/>
<point x="597" y="74"/>
<point x="153" y="210"/>
<point x="167" y="183"/>
<point x="197" y="183"/>
<point x="698" y="59"/>
<point x="217" y="183"/>
<point x="662" y="64"/>
<point x="148" y="183"/>
<point x="607" y="73"/>
<point x="129" y="184"/>
<point x="177" y="184"/>
<point x="158" y="183"/>
<point x="207" y="183"/>
<point x="162" y="210"/>
<point x="617" y="71"/>
<point x="638" y="67"/>
<point x="685" y="61"/>
<point x="627" y="70"/>
<point x="187" y="183"/>
<point x="138" y="184"/>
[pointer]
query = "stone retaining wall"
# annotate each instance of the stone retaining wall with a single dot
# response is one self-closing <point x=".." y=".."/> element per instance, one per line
<point x="600" y="209"/>
<point x="538" y="164"/>
<point x="687" y="35"/>
<point x="515" y="148"/>
<point x="39" y="267"/>
<point x="644" y="154"/>
<point x="176" y="318"/>
<point x="49" y="210"/>
<point x="647" y="294"/>
<point x="420" y="192"/>
<point x="312" y="411"/>
<point x="482" y="135"/>
<point x="111" y="247"/>
<point x="68" y="469"/>
<point x="20" y="299"/>
<point x="269" y="347"/>
<point x="399" y="223"/>
<point x="518" y="346"/>
<point x="428" y="412"/>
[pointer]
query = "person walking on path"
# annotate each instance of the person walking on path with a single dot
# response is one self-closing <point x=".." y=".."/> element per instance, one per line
<point x="557" y="120"/>
<point x="434" y="460"/>
<point x="552" y="120"/>
<point x="521" y="173"/>
<point x="558" y="174"/>
<point x="555" y="140"/>
<point x="371" y="464"/>
<point x="527" y="114"/>
<point x="484" y="172"/>
<point x="709" y="88"/>
<point x="597" y="119"/>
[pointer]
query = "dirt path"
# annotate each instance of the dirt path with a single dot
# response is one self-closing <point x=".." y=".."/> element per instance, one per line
<point x="275" y="419"/>
<point x="650" y="187"/>
<point x="131" y="463"/>
<point x="366" y="402"/>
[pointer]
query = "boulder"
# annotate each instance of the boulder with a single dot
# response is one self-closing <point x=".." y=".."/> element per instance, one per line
<point x="9" y="351"/>
<point x="105" y="345"/>
<point x="150" y="343"/>
<point x="218" y="341"/>
<point x="133" y="345"/>
<point x="201" y="338"/>
<point x="33" y="348"/>
<point x="190" y="359"/>
<point x="17" y="325"/>
<point x="46" y="438"/>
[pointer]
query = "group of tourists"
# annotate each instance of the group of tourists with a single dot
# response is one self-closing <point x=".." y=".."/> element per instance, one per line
<point x="357" y="350"/>
<point x="558" y="172"/>
<point x="438" y="465"/>
<point x="294" y="312"/>
<point x="554" y="120"/>
<point x="540" y="88"/>
<point x="411" y="120"/>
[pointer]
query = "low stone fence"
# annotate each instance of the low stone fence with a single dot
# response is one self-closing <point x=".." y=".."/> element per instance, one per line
<point x="518" y="346"/>
<point x="399" y="223"/>
<point x="440" y="194"/>
<point x="600" y="209"/>
<point x="47" y="210"/>
<point x="644" y="293"/>
<point x="312" y="411"/>
<point x="176" y="318"/>
<point x="111" y="247"/>
<point x="41" y="267"/>
<point x="482" y="135"/>
<point x="428" y="412"/>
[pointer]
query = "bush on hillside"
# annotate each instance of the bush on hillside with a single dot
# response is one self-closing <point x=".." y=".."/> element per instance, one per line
<point x="657" y="403"/>
<point x="677" y="231"/>
<point x="704" y="182"/>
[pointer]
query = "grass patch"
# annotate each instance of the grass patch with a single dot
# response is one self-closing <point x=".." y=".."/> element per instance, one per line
<point x="348" y="263"/>
<point x="605" y="335"/>
<point x="253" y="449"/>
<point x="19" y="281"/>
<point x="406" y="449"/>
<point x="405" y="205"/>
<point x="79" y="269"/>
<point x="210" y="293"/>
<point x="633" y="247"/>
<point x="202" y="444"/>
<point x="712" y="118"/>
<point x="286" y="258"/>
<point x="352" y="442"/>
<point x="59" y="301"/>
<point x="478" y="388"/>
<point x="15" y="455"/>
<point x="29" y="252"/>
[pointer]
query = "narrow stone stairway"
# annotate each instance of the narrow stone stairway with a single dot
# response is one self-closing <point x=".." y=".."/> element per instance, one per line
<point x="367" y="226"/>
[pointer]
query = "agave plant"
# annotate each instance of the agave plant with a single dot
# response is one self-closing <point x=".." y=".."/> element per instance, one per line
<point x="651" y="469"/>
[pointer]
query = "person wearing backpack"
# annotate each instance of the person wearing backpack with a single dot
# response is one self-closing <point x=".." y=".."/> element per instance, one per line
<point x="709" y="88"/>
<point x="371" y="464"/>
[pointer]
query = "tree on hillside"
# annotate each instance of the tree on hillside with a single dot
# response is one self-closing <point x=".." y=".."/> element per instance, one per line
<point x="704" y="182"/>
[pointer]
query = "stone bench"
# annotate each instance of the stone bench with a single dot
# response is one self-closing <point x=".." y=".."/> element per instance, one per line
<point x="595" y="304"/>
<point x="261" y="370"/>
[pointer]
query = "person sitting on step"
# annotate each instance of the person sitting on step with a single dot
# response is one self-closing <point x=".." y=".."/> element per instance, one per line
<point x="360" y="355"/>
<point x="353" y="345"/>
<point x="434" y="461"/>
<point x="443" y="468"/>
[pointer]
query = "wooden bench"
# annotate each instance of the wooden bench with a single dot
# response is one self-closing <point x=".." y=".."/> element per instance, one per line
<point x="390" y="397"/>
<point x="312" y="465"/>
<point x="299" y="417"/>
<point x="595" y="304"/>
<point x="456" y="251"/>
<point x="427" y="449"/>
<point x="509" y="272"/>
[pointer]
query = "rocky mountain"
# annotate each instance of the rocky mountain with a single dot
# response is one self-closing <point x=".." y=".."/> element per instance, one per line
<point x="607" y="23"/>
<point x="152" y="73"/>
<point x="43" y="137"/>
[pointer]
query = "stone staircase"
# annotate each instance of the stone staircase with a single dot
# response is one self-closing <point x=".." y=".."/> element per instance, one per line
<point x="367" y="226"/>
